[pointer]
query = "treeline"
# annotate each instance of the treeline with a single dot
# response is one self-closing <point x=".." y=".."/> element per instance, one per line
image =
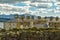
<point x="37" y="17"/>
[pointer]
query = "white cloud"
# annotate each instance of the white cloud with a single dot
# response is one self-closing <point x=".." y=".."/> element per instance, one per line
<point x="11" y="1"/>
<point x="27" y="2"/>
<point x="10" y="9"/>
<point x="57" y="4"/>
<point x="40" y="0"/>
<point x="41" y="5"/>
<point x="57" y="11"/>
<point x="56" y="0"/>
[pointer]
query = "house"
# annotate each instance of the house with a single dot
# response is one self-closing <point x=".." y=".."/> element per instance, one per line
<point x="1" y="24"/>
<point x="17" y="23"/>
<point x="41" y="23"/>
<point x="11" y="24"/>
<point x="2" y="21"/>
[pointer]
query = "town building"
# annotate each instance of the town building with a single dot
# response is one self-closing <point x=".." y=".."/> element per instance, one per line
<point x="30" y="21"/>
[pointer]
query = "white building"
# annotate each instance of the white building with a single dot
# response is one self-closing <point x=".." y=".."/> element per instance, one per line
<point x="1" y="24"/>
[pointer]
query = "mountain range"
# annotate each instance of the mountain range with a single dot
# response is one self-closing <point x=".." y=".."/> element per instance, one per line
<point x="11" y="16"/>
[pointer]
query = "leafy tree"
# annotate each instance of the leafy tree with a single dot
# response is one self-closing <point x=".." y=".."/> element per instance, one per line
<point x="51" y="18"/>
<point x="32" y="17"/>
<point x="16" y="16"/>
<point x="22" y="17"/>
<point x="39" y="17"/>
<point x="15" y="30"/>
<point x="45" y="17"/>
<point x="28" y="17"/>
<point x="57" y="18"/>
<point x="3" y="30"/>
<point x="34" y="28"/>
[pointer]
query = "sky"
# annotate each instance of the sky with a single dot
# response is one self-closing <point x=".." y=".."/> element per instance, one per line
<point x="34" y="7"/>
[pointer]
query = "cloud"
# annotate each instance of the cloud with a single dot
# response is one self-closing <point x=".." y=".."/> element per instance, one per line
<point x="27" y="2"/>
<point x="40" y="0"/>
<point x="56" y="0"/>
<point x="41" y="5"/>
<point x="18" y="1"/>
<point x="11" y="1"/>
<point x="57" y="4"/>
<point x="57" y="11"/>
<point x="10" y="9"/>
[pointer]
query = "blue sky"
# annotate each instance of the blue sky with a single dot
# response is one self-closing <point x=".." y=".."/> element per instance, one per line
<point x="34" y="8"/>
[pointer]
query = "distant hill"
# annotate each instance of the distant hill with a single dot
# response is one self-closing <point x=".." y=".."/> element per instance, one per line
<point x="4" y="19"/>
<point x="6" y="16"/>
<point x="12" y="16"/>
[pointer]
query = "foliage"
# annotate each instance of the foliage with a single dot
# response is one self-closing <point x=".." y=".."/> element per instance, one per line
<point x="16" y="16"/>
<point x="32" y="17"/>
<point x="3" y="30"/>
<point x="28" y="17"/>
<point x="39" y="17"/>
<point x="45" y="17"/>
<point x="57" y="18"/>
<point x="51" y="18"/>
<point x="22" y="17"/>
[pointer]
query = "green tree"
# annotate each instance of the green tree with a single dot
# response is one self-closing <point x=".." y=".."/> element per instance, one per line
<point x="51" y="18"/>
<point x="16" y="16"/>
<point x="15" y="30"/>
<point x="45" y="17"/>
<point x="22" y="17"/>
<point x="32" y="17"/>
<point x="28" y="17"/>
<point x="34" y="28"/>
<point x="3" y="30"/>
<point x="39" y="17"/>
<point x="57" y="18"/>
